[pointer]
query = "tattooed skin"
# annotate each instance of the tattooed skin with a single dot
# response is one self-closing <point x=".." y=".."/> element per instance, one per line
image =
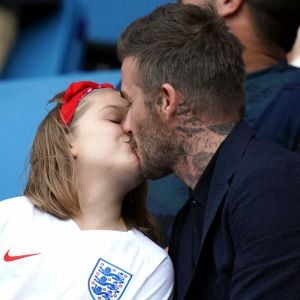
<point x="190" y="125"/>
<point x="222" y="129"/>
<point x="200" y="159"/>
<point x="189" y="132"/>
<point x="183" y="112"/>
<point x="193" y="167"/>
<point x="193" y="120"/>
<point x="201" y="143"/>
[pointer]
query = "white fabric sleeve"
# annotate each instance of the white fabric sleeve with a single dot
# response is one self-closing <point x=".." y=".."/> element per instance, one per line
<point x="160" y="284"/>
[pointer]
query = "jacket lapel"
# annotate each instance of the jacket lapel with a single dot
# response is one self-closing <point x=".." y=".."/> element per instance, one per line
<point x="229" y="157"/>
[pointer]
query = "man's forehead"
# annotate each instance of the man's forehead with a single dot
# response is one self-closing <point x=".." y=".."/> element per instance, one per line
<point x="129" y="91"/>
<point x="129" y="66"/>
<point x="124" y="90"/>
<point x="129" y="75"/>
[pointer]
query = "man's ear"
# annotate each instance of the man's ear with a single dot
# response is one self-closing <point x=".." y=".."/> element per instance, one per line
<point x="170" y="101"/>
<point x="227" y="8"/>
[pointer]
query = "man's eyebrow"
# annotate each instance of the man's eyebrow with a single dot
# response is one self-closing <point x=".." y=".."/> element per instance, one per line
<point x="124" y="95"/>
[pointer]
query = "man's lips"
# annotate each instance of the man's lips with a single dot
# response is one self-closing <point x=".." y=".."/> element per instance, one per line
<point x="132" y="144"/>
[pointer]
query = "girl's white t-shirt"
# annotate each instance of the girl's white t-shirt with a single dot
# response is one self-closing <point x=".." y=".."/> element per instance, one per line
<point x="45" y="258"/>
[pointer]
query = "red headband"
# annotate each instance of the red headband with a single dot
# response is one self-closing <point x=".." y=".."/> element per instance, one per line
<point x="74" y="94"/>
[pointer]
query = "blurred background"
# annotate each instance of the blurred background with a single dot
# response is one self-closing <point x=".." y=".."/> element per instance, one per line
<point x="44" y="46"/>
<point x="51" y="37"/>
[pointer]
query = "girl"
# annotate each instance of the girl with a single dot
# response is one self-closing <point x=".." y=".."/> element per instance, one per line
<point x="81" y="230"/>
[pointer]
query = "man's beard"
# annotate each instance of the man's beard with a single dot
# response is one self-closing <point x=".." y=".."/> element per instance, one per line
<point x="158" y="148"/>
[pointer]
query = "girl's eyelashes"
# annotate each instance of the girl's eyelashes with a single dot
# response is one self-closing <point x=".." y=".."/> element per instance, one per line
<point x="114" y="115"/>
<point x="116" y="121"/>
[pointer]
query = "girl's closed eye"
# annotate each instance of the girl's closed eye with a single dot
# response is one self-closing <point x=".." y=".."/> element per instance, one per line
<point x="114" y="114"/>
<point x="116" y="120"/>
<point x="115" y="117"/>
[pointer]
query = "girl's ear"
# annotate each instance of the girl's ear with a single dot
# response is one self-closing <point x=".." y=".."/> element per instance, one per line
<point x="73" y="151"/>
<point x="72" y="145"/>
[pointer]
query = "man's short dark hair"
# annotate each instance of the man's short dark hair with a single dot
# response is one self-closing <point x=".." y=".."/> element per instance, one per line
<point x="276" y="21"/>
<point x="190" y="48"/>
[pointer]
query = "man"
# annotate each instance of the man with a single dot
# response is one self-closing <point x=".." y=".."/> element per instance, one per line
<point x="267" y="29"/>
<point x="238" y="235"/>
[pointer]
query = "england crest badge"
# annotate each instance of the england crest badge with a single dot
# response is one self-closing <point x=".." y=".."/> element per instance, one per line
<point x="108" y="281"/>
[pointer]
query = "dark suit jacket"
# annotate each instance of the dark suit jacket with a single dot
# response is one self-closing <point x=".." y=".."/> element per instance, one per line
<point x="250" y="246"/>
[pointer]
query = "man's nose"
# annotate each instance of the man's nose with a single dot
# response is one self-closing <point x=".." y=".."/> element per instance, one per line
<point x="127" y="123"/>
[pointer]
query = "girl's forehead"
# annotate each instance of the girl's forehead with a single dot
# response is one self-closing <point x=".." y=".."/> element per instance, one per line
<point x="107" y="97"/>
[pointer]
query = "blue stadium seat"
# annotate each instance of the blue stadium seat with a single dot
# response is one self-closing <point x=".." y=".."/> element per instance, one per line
<point x="107" y="19"/>
<point x="50" y="46"/>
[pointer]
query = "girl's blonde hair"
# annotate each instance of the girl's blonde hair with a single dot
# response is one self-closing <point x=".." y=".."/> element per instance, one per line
<point x="52" y="179"/>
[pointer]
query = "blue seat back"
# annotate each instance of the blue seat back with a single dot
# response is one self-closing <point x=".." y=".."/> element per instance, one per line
<point x="50" y="46"/>
<point x="107" y="19"/>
